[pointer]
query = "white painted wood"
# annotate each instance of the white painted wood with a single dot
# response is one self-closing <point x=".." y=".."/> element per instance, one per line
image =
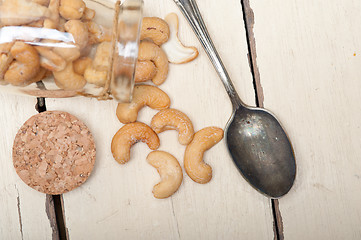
<point x="117" y="202"/>
<point x="22" y="209"/>
<point x="309" y="57"/>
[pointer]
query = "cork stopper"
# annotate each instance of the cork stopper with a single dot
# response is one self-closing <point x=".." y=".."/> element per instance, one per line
<point x="54" y="152"/>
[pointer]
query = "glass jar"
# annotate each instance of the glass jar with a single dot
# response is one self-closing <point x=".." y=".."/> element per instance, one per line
<point x="66" y="48"/>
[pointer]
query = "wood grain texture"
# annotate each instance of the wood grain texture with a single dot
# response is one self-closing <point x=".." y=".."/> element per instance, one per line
<point x="309" y="58"/>
<point x="117" y="201"/>
<point x="23" y="211"/>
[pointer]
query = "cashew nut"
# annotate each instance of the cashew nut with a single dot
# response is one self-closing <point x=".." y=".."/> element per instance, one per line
<point x="98" y="33"/>
<point x="155" y="29"/>
<point x="150" y="51"/>
<point x="145" y="71"/>
<point x="143" y="95"/>
<point x="172" y="119"/>
<point x="203" y="140"/>
<point x="21" y="12"/>
<point x="25" y="66"/>
<point x="79" y="31"/>
<point x="50" y="60"/>
<point x="170" y="172"/>
<point x="44" y="3"/>
<point x="102" y="56"/>
<point x="36" y="24"/>
<point x="89" y="14"/>
<point x="39" y="76"/>
<point x="69" y="54"/>
<point x="67" y="79"/>
<point x="72" y="9"/>
<point x="94" y="76"/>
<point x="53" y="21"/>
<point x="175" y="50"/>
<point x="5" y="59"/>
<point x="81" y="65"/>
<point x="130" y="134"/>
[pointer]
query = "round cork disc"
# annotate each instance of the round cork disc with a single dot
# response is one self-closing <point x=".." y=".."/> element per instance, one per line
<point x="54" y="152"/>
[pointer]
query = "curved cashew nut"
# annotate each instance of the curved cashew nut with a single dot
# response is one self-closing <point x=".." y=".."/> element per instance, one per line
<point x="102" y="56"/>
<point x="69" y="54"/>
<point x="98" y="33"/>
<point x="155" y="29"/>
<point x="42" y="2"/>
<point x="50" y="60"/>
<point x="176" y="52"/>
<point x="150" y="51"/>
<point x="88" y="14"/>
<point x="172" y="119"/>
<point x="72" y="9"/>
<point x="5" y="59"/>
<point x="143" y="95"/>
<point x="67" y="79"/>
<point x="96" y="77"/>
<point x="21" y="12"/>
<point x="79" y="31"/>
<point x="145" y="71"/>
<point x="81" y="65"/>
<point x="203" y="140"/>
<point x="25" y="66"/>
<point x="53" y="21"/>
<point x="170" y="172"/>
<point x="128" y="135"/>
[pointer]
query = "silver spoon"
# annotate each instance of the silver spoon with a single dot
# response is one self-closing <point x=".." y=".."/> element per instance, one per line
<point x="256" y="140"/>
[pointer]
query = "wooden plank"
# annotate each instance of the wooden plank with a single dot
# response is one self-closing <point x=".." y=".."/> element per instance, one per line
<point x="117" y="201"/>
<point x="23" y="210"/>
<point x="309" y="58"/>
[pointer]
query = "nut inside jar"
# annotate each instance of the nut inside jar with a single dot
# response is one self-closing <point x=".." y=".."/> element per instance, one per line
<point x="65" y="48"/>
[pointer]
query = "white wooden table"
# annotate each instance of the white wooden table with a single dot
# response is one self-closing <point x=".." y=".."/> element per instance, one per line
<point x="305" y="59"/>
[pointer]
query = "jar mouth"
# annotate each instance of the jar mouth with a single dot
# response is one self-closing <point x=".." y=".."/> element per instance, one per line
<point x="127" y="25"/>
<point x="91" y="51"/>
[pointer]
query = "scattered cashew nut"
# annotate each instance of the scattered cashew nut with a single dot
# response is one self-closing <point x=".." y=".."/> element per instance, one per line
<point x="88" y="14"/>
<point x="128" y="135"/>
<point x="79" y="31"/>
<point x="145" y="71"/>
<point x="98" y="33"/>
<point x="25" y="66"/>
<point x="50" y="60"/>
<point x="21" y="12"/>
<point x="172" y="119"/>
<point x="94" y="76"/>
<point x="72" y="9"/>
<point x="69" y="54"/>
<point x="53" y="21"/>
<point x="176" y="52"/>
<point x="170" y="172"/>
<point x="155" y="29"/>
<point x="203" y="140"/>
<point x="152" y="52"/>
<point x="42" y="2"/>
<point x="81" y="65"/>
<point x="67" y="79"/>
<point x="102" y="56"/>
<point x="5" y="59"/>
<point x="143" y="95"/>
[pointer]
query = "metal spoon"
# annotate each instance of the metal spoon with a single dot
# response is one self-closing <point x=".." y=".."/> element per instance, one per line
<point x="256" y="140"/>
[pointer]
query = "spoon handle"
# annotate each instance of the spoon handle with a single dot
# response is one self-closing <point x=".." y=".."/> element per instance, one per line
<point x="191" y="12"/>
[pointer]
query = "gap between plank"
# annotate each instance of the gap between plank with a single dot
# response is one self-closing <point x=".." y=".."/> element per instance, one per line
<point x="248" y="17"/>
<point x="53" y="203"/>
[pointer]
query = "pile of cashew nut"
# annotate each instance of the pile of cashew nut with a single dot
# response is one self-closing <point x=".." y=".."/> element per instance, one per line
<point x="68" y="62"/>
<point x="153" y="65"/>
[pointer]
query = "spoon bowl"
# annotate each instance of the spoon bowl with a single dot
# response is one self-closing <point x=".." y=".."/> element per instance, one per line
<point x="261" y="151"/>
<point x="256" y="140"/>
